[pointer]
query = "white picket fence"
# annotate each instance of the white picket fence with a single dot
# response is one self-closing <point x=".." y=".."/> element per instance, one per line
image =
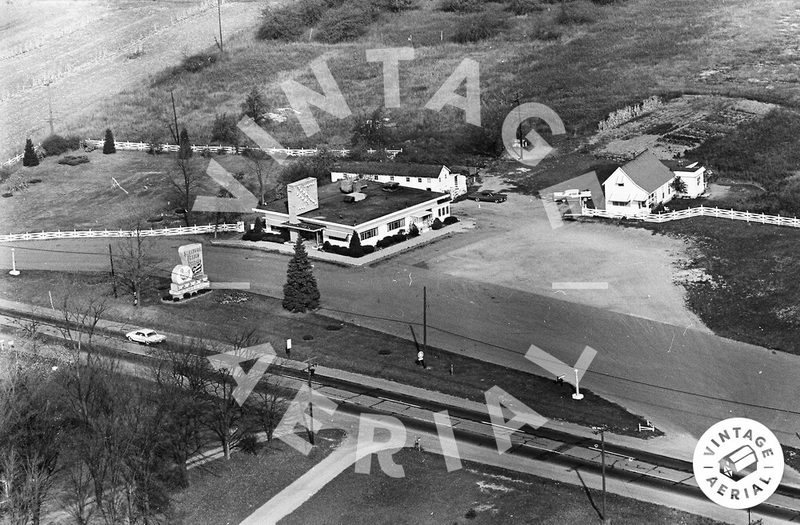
<point x="93" y="234"/>
<point x="702" y="211"/>
<point x="17" y="158"/>
<point x="278" y="152"/>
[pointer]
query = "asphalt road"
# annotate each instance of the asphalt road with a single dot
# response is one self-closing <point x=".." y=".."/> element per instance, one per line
<point x="644" y="365"/>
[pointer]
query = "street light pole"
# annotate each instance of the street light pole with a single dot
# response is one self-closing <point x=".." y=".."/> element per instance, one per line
<point x="601" y="431"/>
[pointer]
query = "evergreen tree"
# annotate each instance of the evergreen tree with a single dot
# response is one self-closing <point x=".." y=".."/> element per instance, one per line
<point x="254" y="106"/>
<point x="30" y="158"/>
<point x="300" y="293"/>
<point x="355" y="245"/>
<point x="108" y="145"/>
<point x="185" y="146"/>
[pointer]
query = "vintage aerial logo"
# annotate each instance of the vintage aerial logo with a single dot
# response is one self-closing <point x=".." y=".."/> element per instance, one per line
<point x="738" y="463"/>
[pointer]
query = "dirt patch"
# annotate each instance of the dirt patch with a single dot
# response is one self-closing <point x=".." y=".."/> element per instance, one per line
<point x="679" y="125"/>
<point x="526" y="253"/>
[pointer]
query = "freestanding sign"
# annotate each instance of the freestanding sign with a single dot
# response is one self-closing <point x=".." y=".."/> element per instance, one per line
<point x="188" y="278"/>
<point x="302" y="197"/>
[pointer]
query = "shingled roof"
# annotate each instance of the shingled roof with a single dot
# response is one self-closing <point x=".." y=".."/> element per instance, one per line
<point x="648" y="172"/>
<point x="400" y="169"/>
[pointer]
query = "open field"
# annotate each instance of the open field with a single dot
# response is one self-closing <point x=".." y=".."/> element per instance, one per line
<point x="90" y="50"/>
<point x="85" y="196"/>
<point x="661" y="52"/>
<point x="477" y="494"/>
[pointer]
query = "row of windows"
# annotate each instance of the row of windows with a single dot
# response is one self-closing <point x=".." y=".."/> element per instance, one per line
<point x="444" y="211"/>
<point x="396" y="225"/>
<point x="372" y="232"/>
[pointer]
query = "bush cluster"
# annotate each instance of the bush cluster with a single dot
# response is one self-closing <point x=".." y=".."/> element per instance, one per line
<point x="460" y="6"/>
<point x="347" y="251"/>
<point x="289" y="22"/>
<point x="479" y="27"/>
<point x="345" y="23"/>
<point x="198" y="62"/>
<point x="73" y="160"/>
<point x="450" y="220"/>
<point x="56" y="144"/>
<point x="437" y="224"/>
<point x="391" y="239"/>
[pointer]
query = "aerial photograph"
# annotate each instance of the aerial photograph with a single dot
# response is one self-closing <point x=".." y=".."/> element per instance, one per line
<point x="399" y="262"/>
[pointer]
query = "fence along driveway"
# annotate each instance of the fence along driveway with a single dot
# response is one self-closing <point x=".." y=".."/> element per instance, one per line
<point x="702" y="211"/>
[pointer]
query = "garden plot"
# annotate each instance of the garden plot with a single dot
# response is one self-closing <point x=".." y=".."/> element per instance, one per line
<point x="679" y="125"/>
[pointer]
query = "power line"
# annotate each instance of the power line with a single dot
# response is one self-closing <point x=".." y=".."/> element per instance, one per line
<point x="588" y="371"/>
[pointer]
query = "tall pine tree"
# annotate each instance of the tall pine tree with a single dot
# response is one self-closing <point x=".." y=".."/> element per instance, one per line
<point x="355" y="245"/>
<point x="30" y="158"/>
<point x="108" y="144"/>
<point x="185" y="146"/>
<point x="300" y="293"/>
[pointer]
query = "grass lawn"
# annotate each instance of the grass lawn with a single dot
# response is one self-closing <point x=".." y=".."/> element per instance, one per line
<point x="223" y="492"/>
<point x="85" y="196"/>
<point x="329" y="343"/>
<point x="755" y="292"/>
<point x="476" y="494"/>
<point x="617" y="55"/>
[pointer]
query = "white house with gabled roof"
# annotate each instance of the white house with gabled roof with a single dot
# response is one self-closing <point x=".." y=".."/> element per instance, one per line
<point x="638" y="186"/>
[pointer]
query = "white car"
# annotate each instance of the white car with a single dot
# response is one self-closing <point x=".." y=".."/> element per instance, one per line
<point x="145" y="336"/>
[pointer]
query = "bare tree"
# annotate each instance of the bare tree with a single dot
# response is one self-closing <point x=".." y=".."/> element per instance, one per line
<point x="263" y="167"/>
<point x="267" y="404"/>
<point x="186" y="182"/>
<point x="30" y="440"/>
<point x="80" y="318"/>
<point x="135" y="262"/>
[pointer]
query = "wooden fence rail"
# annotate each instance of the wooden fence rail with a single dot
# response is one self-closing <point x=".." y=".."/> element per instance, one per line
<point x="702" y="211"/>
<point x="91" y="234"/>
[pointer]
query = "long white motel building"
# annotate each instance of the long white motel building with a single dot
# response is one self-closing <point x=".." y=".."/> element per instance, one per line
<point x="429" y="177"/>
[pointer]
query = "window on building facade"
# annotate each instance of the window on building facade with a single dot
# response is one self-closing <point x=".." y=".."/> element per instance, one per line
<point x="408" y="179"/>
<point x="419" y="179"/>
<point x="399" y="223"/>
<point x="618" y="203"/>
<point x="391" y="178"/>
<point x="372" y="232"/>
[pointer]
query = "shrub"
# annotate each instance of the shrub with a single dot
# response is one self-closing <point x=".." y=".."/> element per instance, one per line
<point x="524" y="7"/>
<point x="198" y="62"/>
<point x="56" y="144"/>
<point x="576" y="13"/>
<point x="108" y="144"/>
<point x="280" y="24"/>
<point x="460" y="6"/>
<point x="413" y="231"/>
<point x="479" y="27"/>
<point x="225" y="130"/>
<point x="30" y="158"/>
<point x="356" y="250"/>
<point x="344" y="23"/>
<point x="437" y="224"/>
<point x="254" y="105"/>
<point x="73" y="160"/>
<point x="249" y="444"/>
<point x="391" y="239"/>
<point x="450" y="220"/>
<point x="185" y="145"/>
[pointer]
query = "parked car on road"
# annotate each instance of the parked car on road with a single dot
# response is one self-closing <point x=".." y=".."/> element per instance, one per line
<point x="145" y="336"/>
<point x="488" y="196"/>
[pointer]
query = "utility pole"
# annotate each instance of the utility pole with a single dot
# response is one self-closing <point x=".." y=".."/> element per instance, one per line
<point x="113" y="278"/>
<point x="519" y="126"/>
<point x="175" y="119"/>
<point x="50" y="107"/>
<point x="219" y="18"/>
<point x="425" y="319"/>
<point x="601" y="431"/>
<point x="310" y="371"/>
